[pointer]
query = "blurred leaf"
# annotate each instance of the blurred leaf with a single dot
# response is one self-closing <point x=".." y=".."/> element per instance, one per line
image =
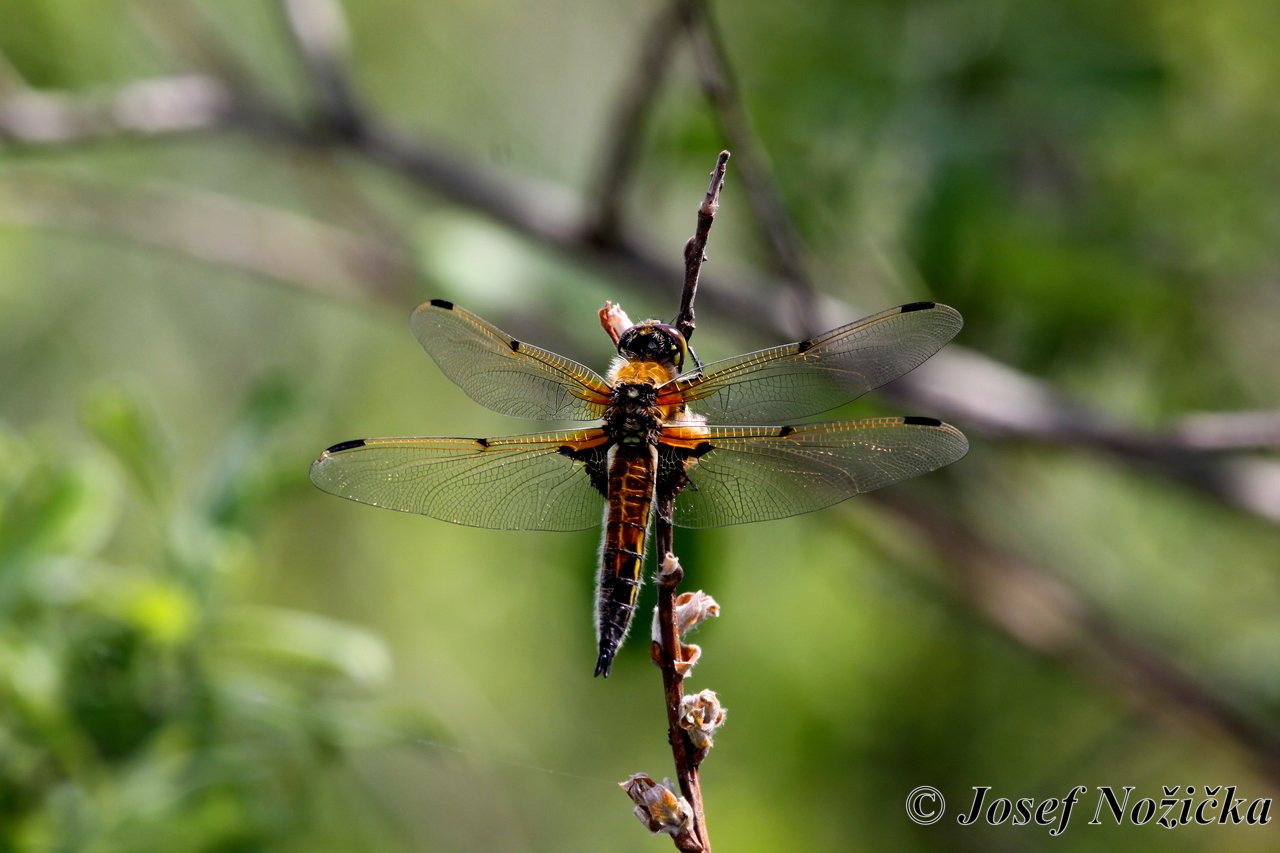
<point x="307" y="640"/>
<point x="119" y="420"/>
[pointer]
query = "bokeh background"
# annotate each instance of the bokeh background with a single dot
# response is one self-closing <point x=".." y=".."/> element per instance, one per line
<point x="215" y="218"/>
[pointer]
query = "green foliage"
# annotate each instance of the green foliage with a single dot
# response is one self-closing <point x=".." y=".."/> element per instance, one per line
<point x="146" y="707"/>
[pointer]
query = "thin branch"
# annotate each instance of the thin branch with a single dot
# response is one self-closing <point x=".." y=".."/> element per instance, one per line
<point x="695" y="251"/>
<point x="189" y="38"/>
<point x="988" y="397"/>
<point x="683" y="752"/>
<point x="668" y="651"/>
<point x="1044" y="614"/>
<point x="156" y="107"/>
<point x="715" y="75"/>
<point x="621" y="145"/>
<point x="1226" y="431"/>
<point x="319" y="31"/>
<point x="278" y="245"/>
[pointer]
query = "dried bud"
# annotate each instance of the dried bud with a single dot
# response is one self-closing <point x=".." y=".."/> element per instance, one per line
<point x="614" y="320"/>
<point x="700" y="716"/>
<point x="670" y="570"/>
<point x="693" y="608"/>
<point x="658" y="807"/>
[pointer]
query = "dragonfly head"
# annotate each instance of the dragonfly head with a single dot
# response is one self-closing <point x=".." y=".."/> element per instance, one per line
<point x="653" y="341"/>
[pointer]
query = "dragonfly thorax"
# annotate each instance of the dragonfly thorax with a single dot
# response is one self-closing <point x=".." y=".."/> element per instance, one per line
<point x="633" y="415"/>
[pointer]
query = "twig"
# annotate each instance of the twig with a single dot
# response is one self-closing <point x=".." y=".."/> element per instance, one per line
<point x="626" y="125"/>
<point x="686" y="755"/>
<point x="145" y="108"/>
<point x="278" y="245"/>
<point x="695" y="250"/>
<point x="683" y="752"/>
<point x="715" y="75"/>
<point x="988" y="396"/>
<point x="319" y="30"/>
<point x="1046" y="615"/>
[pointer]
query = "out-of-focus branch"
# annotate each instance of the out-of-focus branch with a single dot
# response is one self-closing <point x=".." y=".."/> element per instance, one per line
<point x="160" y="106"/>
<point x="1226" y="431"/>
<point x="715" y="74"/>
<point x="274" y="244"/>
<point x="1046" y="615"/>
<point x="972" y="389"/>
<point x="319" y="31"/>
<point x="982" y="394"/>
<point x="621" y="146"/>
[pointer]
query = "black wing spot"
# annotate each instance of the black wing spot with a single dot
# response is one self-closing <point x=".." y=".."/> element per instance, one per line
<point x="702" y="450"/>
<point x="786" y="431"/>
<point x="929" y="422"/>
<point x="442" y="303"/>
<point x="515" y="346"/>
<point x="483" y="442"/>
<point x="804" y="346"/>
<point x="917" y="306"/>
<point x="346" y="445"/>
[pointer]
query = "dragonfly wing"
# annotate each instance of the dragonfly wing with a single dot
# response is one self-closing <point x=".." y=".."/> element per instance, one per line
<point x="746" y="474"/>
<point x="811" y="376"/>
<point x="529" y="482"/>
<point x="504" y="374"/>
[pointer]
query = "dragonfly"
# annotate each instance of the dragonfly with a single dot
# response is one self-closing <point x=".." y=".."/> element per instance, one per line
<point x="724" y="440"/>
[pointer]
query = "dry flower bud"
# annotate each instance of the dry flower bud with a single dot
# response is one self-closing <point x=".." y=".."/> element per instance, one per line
<point x="669" y="568"/>
<point x="700" y="716"/>
<point x="693" y="608"/>
<point x="689" y="655"/>
<point x="658" y="807"/>
<point x="614" y="320"/>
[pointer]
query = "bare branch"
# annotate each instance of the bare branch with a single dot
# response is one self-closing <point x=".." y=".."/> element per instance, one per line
<point x="625" y="131"/>
<point x="963" y="385"/>
<point x="319" y="30"/>
<point x="695" y="251"/>
<point x="715" y="74"/>
<point x="281" y="246"/>
<point x="160" y="106"/>
<point x="1226" y="431"/>
<point x="1047" y="616"/>
<point x="667" y="656"/>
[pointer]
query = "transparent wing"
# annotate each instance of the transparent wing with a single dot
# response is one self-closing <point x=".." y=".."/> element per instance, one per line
<point x="504" y="374"/>
<point x="807" y="377"/>
<point x="527" y="482"/>
<point x="761" y="473"/>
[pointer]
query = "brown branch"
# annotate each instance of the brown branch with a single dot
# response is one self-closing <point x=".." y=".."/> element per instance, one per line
<point x="719" y="85"/>
<point x="625" y="131"/>
<point x="667" y="656"/>
<point x="985" y="395"/>
<point x="154" y="107"/>
<point x="1226" y="431"/>
<point x="695" y="251"/>
<point x="274" y="244"/>
<point x="319" y="31"/>
<point x="988" y="397"/>
<point x="667" y="645"/>
<point x="1046" y="615"/>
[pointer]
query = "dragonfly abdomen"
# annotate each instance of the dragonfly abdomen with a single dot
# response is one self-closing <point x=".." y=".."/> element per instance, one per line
<point x="632" y="473"/>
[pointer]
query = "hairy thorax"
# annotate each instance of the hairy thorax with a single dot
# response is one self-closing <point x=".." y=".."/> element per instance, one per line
<point x="633" y="416"/>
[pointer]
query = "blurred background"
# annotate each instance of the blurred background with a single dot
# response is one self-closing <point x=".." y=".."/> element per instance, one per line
<point x="215" y="219"/>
